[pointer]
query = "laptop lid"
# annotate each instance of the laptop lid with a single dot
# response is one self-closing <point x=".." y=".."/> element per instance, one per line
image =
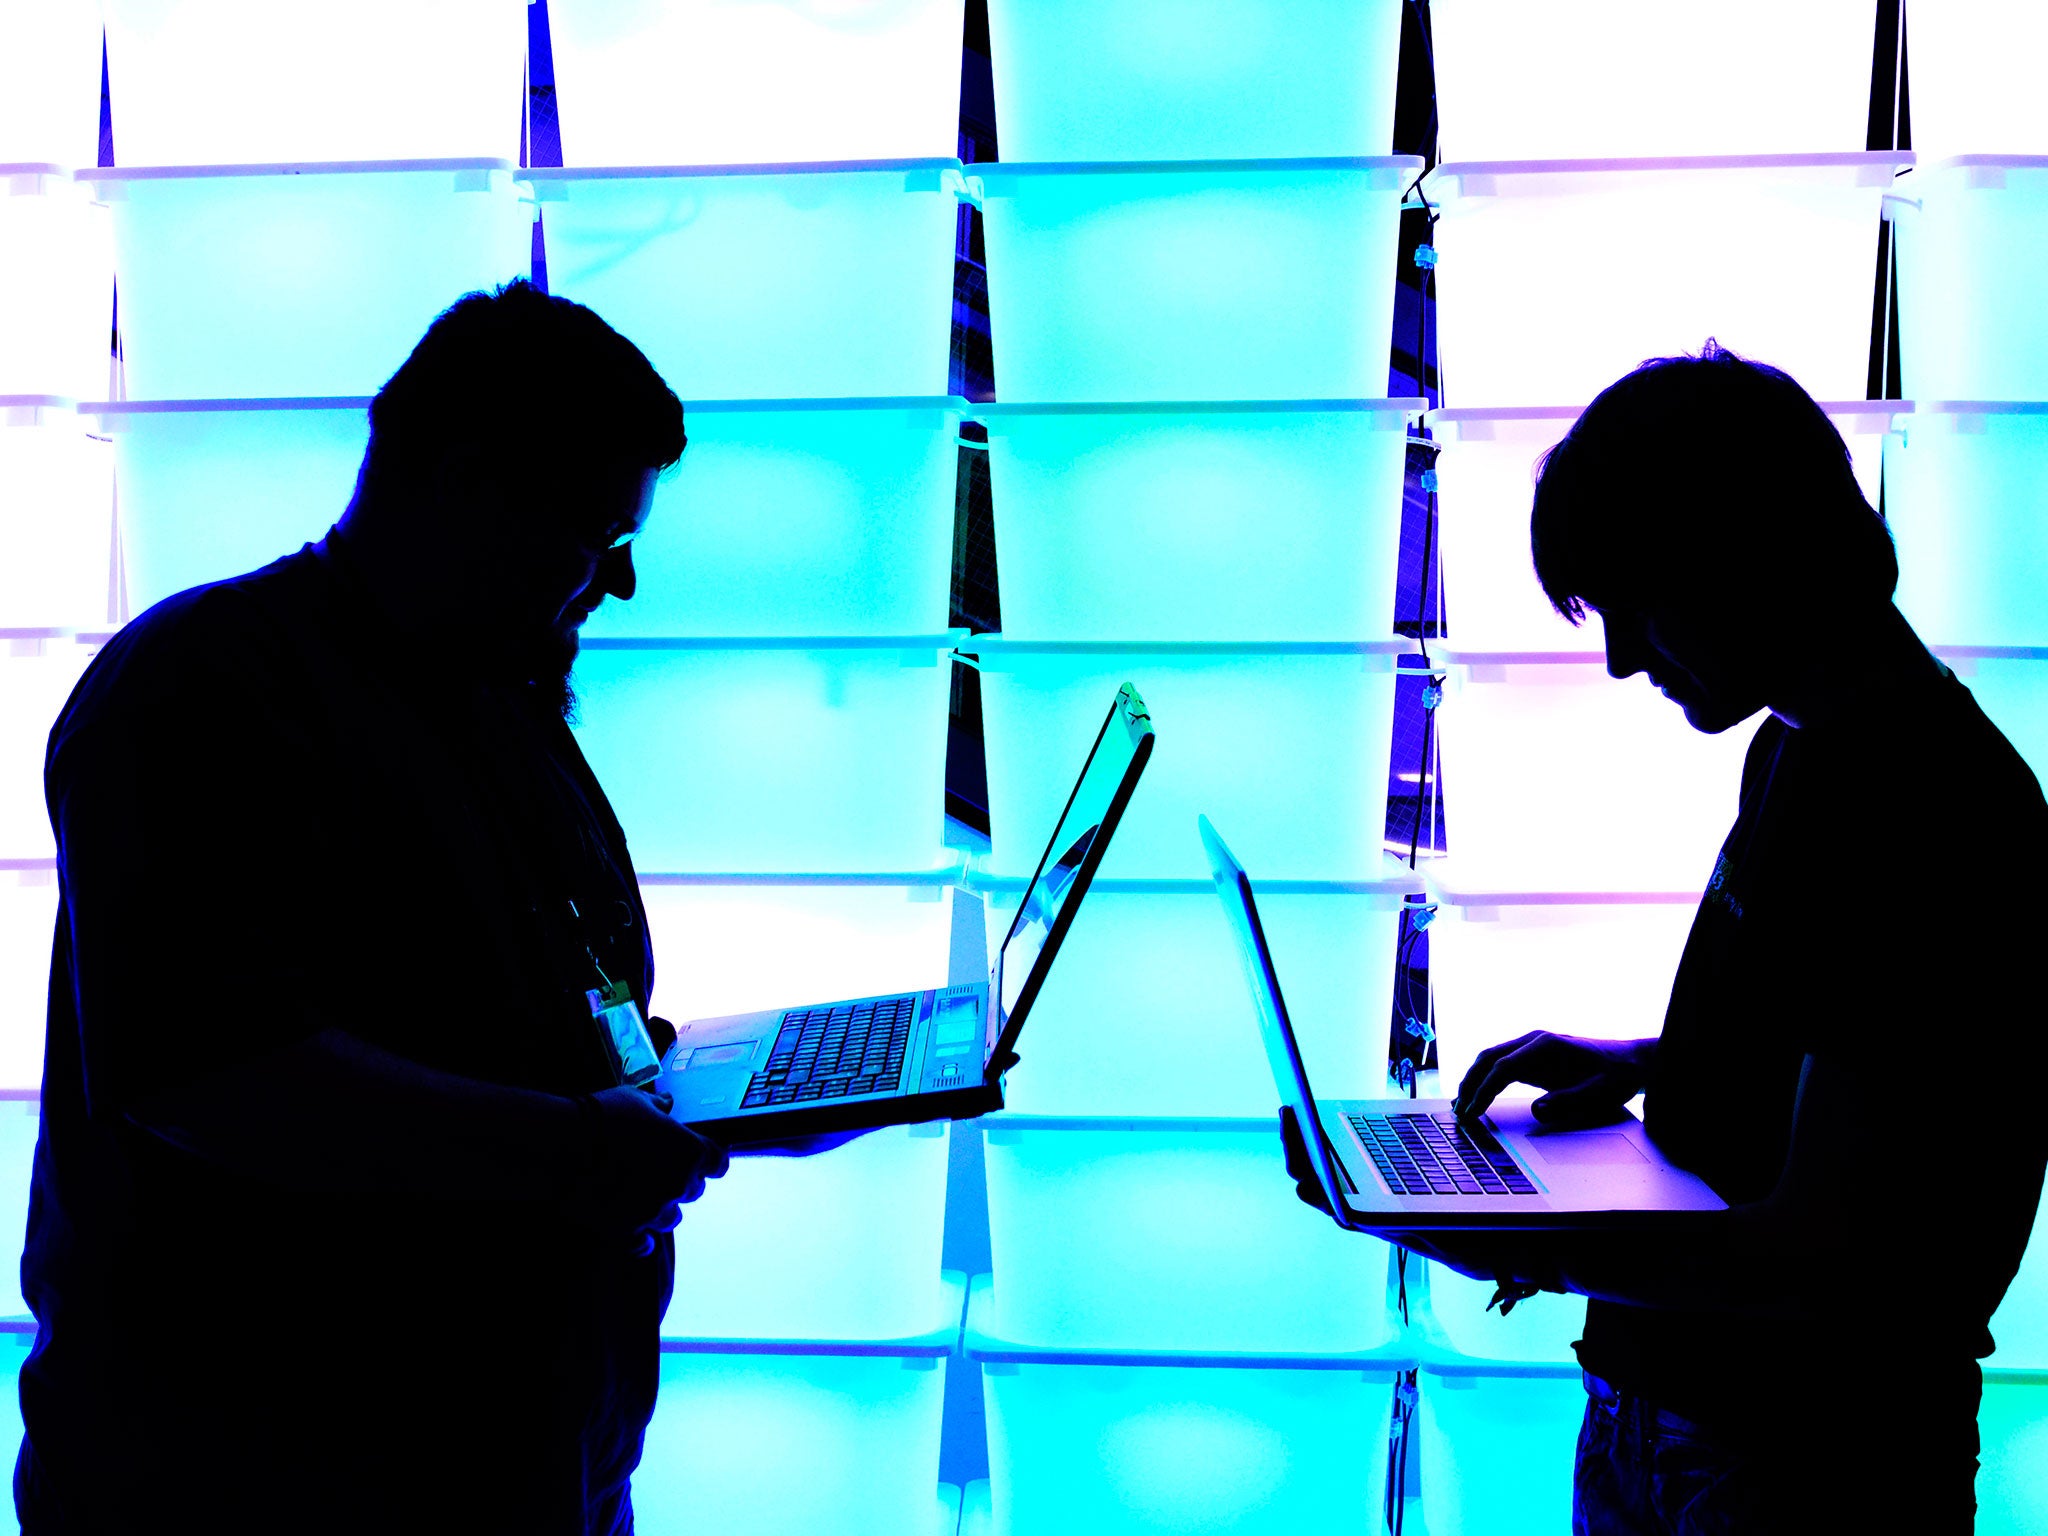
<point x="1046" y="911"/>
<point x="1283" y="1055"/>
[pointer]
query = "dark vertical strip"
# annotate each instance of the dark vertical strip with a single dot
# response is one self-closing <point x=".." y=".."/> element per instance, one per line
<point x="1885" y="131"/>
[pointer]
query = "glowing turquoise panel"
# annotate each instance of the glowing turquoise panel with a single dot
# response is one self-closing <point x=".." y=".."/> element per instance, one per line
<point x="56" y="285"/>
<point x="841" y="1245"/>
<point x="50" y="82"/>
<point x="1967" y="500"/>
<point x="773" y="758"/>
<point x="210" y="492"/>
<point x="2020" y="1326"/>
<point x="777" y="286"/>
<point x="1080" y="80"/>
<point x="1486" y="478"/>
<point x="2014" y="693"/>
<point x="1198" y="522"/>
<point x="1452" y="1313"/>
<point x="13" y="1351"/>
<point x="1092" y="1223"/>
<point x="215" y="82"/>
<point x="36" y="677"/>
<point x="301" y="280"/>
<point x="2012" y="1490"/>
<point x="792" y="1445"/>
<point x="28" y="921"/>
<point x="20" y="1120"/>
<point x="1153" y="975"/>
<point x="822" y="520"/>
<point x="1192" y="281"/>
<point x="1286" y="747"/>
<point x="1769" y="255"/>
<point x="1506" y="959"/>
<point x="704" y="82"/>
<point x="737" y="947"/>
<point x="56" y="520"/>
<point x="1974" y="72"/>
<point x="1572" y="78"/>
<point x="1497" y="1453"/>
<point x="1973" y="320"/>
<point x="1559" y="775"/>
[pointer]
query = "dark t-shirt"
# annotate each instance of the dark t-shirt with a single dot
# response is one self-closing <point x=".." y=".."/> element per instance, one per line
<point x="1878" y="905"/>
<point x="274" y="819"/>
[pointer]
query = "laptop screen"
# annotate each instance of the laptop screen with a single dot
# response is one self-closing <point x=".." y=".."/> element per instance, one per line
<point x="1069" y="862"/>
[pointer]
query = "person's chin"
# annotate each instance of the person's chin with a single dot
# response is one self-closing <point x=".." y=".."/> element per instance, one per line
<point x="1711" y="716"/>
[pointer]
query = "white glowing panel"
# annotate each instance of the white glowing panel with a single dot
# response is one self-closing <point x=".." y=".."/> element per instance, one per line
<point x="773" y="286"/>
<point x="1214" y="522"/>
<point x="1973" y="319"/>
<point x="2012" y="1423"/>
<point x="1285" y="746"/>
<point x="841" y="1245"/>
<point x="2019" y="1328"/>
<point x="56" y="519"/>
<point x="1455" y="1314"/>
<point x="1091" y="1222"/>
<point x="735" y="947"/>
<point x="1976" y="74"/>
<point x="1575" y="78"/>
<point x="211" y="489"/>
<point x="56" y="286"/>
<point x="20" y="1122"/>
<point x="238" y="82"/>
<point x="815" y="518"/>
<point x="1486" y="477"/>
<point x="2013" y="691"/>
<point x="1194" y="79"/>
<point x="1968" y="508"/>
<point x="708" y="82"/>
<point x="1557" y="278"/>
<point x="1554" y="770"/>
<point x="766" y="757"/>
<point x="36" y="677"/>
<point x="1496" y="1452"/>
<point x="300" y="280"/>
<point x="50" y="81"/>
<point x="792" y="1445"/>
<point x="1198" y="281"/>
<point x="1152" y="975"/>
<point x="1503" y="962"/>
<point x="28" y="923"/>
<point x="1079" y="1447"/>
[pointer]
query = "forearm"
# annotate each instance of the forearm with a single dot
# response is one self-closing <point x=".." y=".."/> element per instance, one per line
<point x="334" y="1113"/>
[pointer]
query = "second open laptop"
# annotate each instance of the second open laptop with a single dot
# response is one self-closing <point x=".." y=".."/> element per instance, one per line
<point x="862" y="1062"/>
<point x="1398" y="1164"/>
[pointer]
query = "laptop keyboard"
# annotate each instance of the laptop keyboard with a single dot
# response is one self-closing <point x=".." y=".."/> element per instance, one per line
<point x="1438" y="1154"/>
<point x="829" y="1053"/>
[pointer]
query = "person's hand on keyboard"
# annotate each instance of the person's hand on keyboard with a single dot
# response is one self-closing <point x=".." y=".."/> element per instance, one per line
<point x="1590" y="1081"/>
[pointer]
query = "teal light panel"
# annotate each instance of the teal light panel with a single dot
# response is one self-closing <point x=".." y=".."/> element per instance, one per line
<point x="2013" y="691"/>
<point x="1187" y="523"/>
<point x="1288" y="749"/>
<point x="210" y="491"/>
<point x="1094" y="1224"/>
<point x="771" y="758"/>
<point x="1198" y="281"/>
<point x="307" y="280"/>
<point x="1973" y="320"/>
<point x="20" y="1122"/>
<point x="1496" y="1452"/>
<point x="816" y="518"/>
<point x="799" y="284"/>
<point x="1170" y="80"/>
<point x="2012" y="1495"/>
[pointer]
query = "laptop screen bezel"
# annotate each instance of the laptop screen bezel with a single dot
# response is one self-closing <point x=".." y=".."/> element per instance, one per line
<point x="1128" y="711"/>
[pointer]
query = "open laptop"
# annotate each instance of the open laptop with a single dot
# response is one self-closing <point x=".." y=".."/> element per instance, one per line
<point x="1394" y="1165"/>
<point x="931" y="1055"/>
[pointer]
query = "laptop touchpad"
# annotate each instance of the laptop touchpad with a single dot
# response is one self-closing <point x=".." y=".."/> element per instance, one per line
<point x="1586" y="1147"/>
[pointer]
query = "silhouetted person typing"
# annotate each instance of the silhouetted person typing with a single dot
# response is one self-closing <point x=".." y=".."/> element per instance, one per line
<point x="339" y="1220"/>
<point x="1853" y="1039"/>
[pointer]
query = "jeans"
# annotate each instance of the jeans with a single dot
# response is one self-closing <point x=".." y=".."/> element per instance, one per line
<point x="1645" y="1471"/>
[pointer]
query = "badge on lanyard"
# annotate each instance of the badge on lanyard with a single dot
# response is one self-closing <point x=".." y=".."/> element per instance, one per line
<point x="624" y="1032"/>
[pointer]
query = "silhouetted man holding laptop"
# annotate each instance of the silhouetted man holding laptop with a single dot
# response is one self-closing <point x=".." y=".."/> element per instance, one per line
<point x="1862" y="975"/>
<point x="344" y="1217"/>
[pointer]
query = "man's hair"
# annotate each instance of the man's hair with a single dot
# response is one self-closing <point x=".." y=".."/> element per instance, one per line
<point x="535" y="382"/>
<point x="1709" y="479"/>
